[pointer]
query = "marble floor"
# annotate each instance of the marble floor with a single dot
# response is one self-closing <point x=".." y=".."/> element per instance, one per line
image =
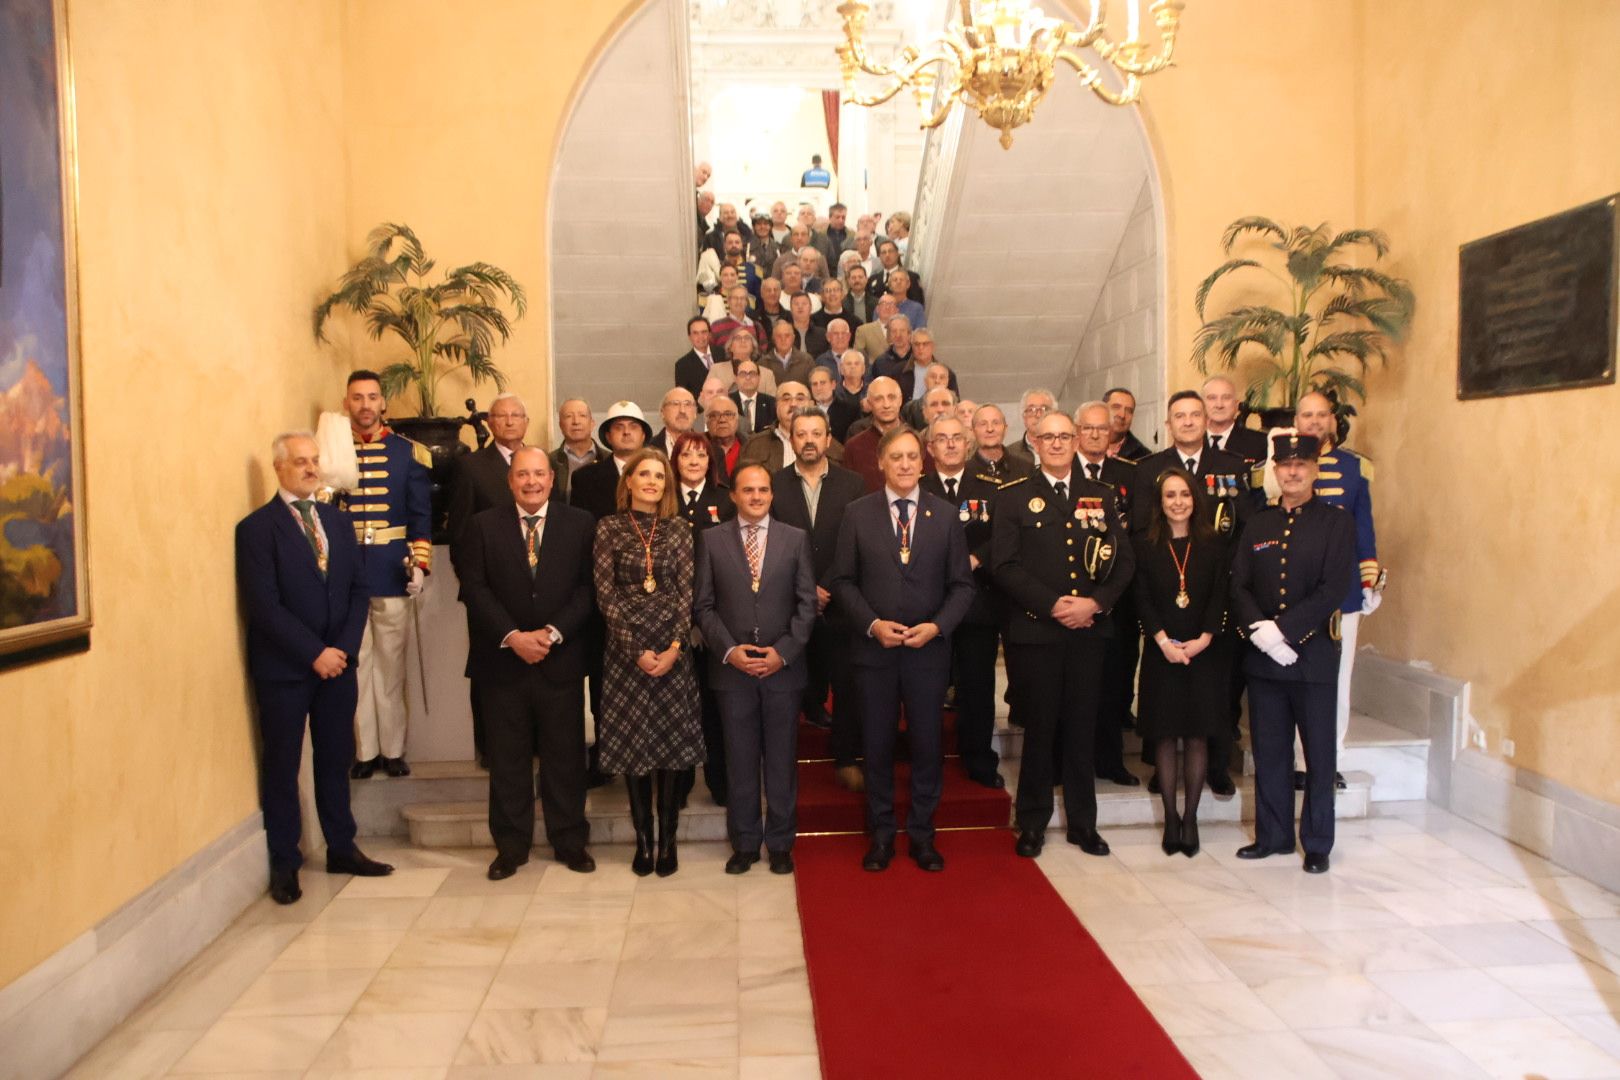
<point x="1432" y="950"/>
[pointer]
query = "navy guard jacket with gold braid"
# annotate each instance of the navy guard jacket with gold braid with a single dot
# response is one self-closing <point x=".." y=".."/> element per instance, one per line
<point x="1344" y="480"/>
<point x="392" y="510"/>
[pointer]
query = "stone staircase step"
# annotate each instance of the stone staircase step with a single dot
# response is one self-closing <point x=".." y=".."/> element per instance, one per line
<point x="466" y="823"/>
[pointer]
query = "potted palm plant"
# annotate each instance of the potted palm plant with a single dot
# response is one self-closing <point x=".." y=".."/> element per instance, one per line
<point x="453" y="323"/>
<point x="1332" y="317"/>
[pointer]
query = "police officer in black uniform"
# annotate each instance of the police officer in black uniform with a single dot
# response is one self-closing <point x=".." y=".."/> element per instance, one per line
<point x="973" y="645"/>
<point x="1061" y="559"/>
<point x="1294" y="563"/>
<point x="1230" y="501"/>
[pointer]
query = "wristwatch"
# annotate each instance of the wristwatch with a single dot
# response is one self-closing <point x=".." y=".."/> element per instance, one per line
<point x="556" y="637"/>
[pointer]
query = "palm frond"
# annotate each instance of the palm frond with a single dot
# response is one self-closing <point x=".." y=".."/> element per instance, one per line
<point x="1373" y="238"/>
<point x="1363" y="345"/>
<point x="1387" y="315"/>
<point x="1262" y="325"/>
<point x="1209" y="283"/>
<point x="1264" y="226"/>
<point x="1326" y="379"/>
<point x="494" y="277"/>
<point x="397" y="378"/>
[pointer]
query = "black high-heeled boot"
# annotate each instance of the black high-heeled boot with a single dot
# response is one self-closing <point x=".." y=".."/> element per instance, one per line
<point x="640" y="789"/>
<point x="669" y="816"/>
<point x="1172" y="835"/>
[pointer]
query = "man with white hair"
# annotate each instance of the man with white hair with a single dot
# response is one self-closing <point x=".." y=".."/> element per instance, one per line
<point x="304" y="596"/>
<point x="1221" y="429"/>
<point x="1034" y="405"/>
<point x="679" y="412"/>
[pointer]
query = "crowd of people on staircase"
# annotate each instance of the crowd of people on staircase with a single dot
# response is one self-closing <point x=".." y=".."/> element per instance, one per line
<point x="821" y="531"/>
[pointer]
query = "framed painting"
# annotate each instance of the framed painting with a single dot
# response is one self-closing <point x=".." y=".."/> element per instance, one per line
<point x="44" y="582"/>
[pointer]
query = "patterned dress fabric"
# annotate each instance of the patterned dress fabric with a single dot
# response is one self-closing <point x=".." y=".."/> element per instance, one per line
<point x="646" y="723"/>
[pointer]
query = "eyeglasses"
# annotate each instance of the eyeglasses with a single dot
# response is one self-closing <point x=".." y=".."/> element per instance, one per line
<point x="1037" y="410"/>
<point x="950" y="440"/>
<point x="1055" y="438"/>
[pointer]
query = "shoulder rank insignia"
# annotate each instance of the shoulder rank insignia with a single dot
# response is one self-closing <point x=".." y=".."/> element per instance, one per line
<point x="423" y="456"/>
<point x="1011" y="483"/>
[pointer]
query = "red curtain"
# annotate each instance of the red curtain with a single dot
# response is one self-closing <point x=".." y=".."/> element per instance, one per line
<point x="829" y="110"/>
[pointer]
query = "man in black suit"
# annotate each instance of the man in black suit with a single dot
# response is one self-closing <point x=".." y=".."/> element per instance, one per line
<point x="1092" y="431"/>
<point x="755" y="601"/>
<point x="1290" y="619"/>
<point x="526" y="580"/>
<point x="478" y="484"/>
<point x="305" y="600"/>
<point x="679" y="412"/>
<point x="1063" y="561"/>
<point x="812" y="494"/>
<point x="756" y="409"/>
<point x="902" y="574"/>
<point x="1121" y="411"/>
<point x="1229" y="502"/>
<point x="1222" y="430"/>
<point x="693" y="366"/>
<point x="973" y="646"/>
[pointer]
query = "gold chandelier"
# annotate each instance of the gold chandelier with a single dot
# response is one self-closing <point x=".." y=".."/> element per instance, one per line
<point x="1001" y="59"/>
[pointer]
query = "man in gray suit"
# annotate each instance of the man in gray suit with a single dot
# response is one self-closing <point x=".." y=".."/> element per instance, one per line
<point x="755" y="602"/>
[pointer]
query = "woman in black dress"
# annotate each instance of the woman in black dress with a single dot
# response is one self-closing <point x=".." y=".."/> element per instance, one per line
<point x="704" y="503"/>
<point x="1182" y="570"/>
<point x="650" y="727"/>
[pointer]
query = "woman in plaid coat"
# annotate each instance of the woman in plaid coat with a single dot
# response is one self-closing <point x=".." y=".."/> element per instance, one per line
<point x="650" y="726"/>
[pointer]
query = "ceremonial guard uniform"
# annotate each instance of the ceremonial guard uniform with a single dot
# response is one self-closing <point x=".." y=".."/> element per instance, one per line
<point x="1292" y="567"/>
<point x="393" y="522"/>
<point x="1046" y="545"/>
<point x="974" y="644"/>
<point x="1345" y="481"/>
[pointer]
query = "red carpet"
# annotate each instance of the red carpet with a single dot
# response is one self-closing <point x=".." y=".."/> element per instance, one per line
<point x="826" y="807"/>
<point x="981" y="971"/>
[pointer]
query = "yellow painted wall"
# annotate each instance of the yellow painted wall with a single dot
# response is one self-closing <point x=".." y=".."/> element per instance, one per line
<point x="211" y="211"/>
<point x="463" y="153"/>
<point x="1498" y="518"/>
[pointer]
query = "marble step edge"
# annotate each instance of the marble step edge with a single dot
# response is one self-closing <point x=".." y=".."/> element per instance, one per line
<point x="465" y="824"/>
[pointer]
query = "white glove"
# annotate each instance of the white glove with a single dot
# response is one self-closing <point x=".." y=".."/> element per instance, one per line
<point x="1370" y="601"/>
<point x="1283" y="654"/>
<point x="1266" y="635"/>
<point x="413" y="584"/>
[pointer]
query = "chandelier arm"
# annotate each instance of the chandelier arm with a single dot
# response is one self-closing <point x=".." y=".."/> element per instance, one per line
<point x="1091" y="77"/>
<point x="903" y="78"/>
<point x="1122" y="56"/>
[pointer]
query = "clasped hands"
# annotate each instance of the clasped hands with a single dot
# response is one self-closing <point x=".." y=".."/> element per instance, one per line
<point x="891" y="634"/>
<point x="1269" y="639"/>
<point x="532" y="646"/>
<point x="1182" y="652"/>
<point x="759" y="661"/>
<point x="658" y="664"/>
<point x="331" y="663"/>
<point x="1075" y="612"/>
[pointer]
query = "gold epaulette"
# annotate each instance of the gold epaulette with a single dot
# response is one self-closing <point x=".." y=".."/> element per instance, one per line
<point x="423" y="456"/>
<point x="1011" y="483"/>
<point x="1257" y="476"/>
<point x="1365" y="463"/>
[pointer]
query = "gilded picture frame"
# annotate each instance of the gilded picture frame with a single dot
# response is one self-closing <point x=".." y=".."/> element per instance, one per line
<point x="44" y="565"/>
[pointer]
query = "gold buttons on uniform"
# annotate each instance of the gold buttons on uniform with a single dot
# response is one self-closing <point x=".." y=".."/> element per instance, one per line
<point x="1069" y="541"/>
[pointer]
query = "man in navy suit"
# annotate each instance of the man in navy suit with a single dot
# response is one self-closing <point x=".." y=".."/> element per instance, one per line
<point x="903" y="577"/>
<point x="526" y="580"/>
<point x="304" y="594"/>
<point x="755" y="601"/>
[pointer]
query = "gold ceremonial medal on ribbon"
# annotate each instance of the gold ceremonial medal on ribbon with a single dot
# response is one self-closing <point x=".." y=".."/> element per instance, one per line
<point x="650" y="584"/>
<point x="1037" y="504"/>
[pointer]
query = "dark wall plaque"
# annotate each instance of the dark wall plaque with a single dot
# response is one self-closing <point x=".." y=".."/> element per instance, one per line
<point x="1537" y="305"/>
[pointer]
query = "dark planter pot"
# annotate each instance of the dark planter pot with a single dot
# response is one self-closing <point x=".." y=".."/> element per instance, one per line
<point x="442" y="436"/>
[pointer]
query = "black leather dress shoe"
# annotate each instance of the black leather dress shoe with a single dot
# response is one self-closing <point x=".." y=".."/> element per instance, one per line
<point x="1153" y="784"/>
<point x="362" y="770"/>
<point x="926" y="856"/>
<point x="355" y="862"/>
<point x="1316" y="863"/>
<point x="1299" y="780"/>
<point x="1339" y="782"/>
<point x="503" y="868"/>
<point x="1255" y="851"/>
<point x="1030" y="842"/>
<point x="580" y="861"/>
<point x="781" y="862"/>
<point x="878" y="855"/>
<point x="819" y="720"/>
<point x="1089" y="842"/>
<point x="741" y="862"/>
<point x="1221" y="784"/>
<point x="396" y="766"/>
<point x="990" y="780"/>
<point x="284" y="887"/>
<point x="1123" y="777"/>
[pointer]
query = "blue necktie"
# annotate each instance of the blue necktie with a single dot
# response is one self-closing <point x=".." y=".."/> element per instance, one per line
<point x="903" y="512"/>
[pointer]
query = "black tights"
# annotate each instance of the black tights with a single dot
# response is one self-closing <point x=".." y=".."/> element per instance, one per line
<point x="1194" y="768"/>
